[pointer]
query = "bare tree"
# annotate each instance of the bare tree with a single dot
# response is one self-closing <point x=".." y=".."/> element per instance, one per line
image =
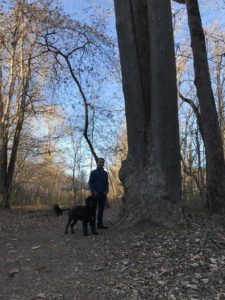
<point x="82" y="54"/>
<point x="22" y="72"/>
<point x="215" y="165"/>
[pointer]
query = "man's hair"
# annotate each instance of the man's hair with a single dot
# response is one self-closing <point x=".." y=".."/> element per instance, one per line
<point x="100" y="158"/>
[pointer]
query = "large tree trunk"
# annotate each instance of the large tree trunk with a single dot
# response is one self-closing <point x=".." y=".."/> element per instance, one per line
<point x="2" y="164"/>
<point x="215" y="167"/>
<point x="151" y="172"/>
<point x="4" y="199"/>
<point x="3" y="142"/>
<point x="7" y="172"/>
<point x="1" y="152"/>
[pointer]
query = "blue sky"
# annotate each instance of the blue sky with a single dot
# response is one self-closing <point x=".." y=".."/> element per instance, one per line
<point x="84" y="8"/>
<point x="81" y="4"/>
<point x="211" y="11"/>
<point x="110" y="95"/>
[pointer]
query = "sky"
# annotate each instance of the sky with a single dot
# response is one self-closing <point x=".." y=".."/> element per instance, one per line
<point x="211" y="10"/>
<point x="83" y="8"/>
<point x="79" y="4"/>
<point x="111" y="91"/>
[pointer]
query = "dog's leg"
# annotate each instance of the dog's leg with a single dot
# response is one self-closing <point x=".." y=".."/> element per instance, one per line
<point x="93" y="230"/>
<point x="73" y="223"/>
<point x="93" y="226"/>
<point x="68" y="224"/>
<point x="85" y="227"/>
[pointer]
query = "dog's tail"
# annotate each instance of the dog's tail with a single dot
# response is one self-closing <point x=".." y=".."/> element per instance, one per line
<point x="59" y="211"/>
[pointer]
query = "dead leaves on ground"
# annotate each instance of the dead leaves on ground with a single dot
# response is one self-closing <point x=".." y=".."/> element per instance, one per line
<point x="138" y="264"/>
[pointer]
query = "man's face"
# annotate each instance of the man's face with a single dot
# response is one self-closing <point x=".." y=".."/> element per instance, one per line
<point x="100" y="163"/>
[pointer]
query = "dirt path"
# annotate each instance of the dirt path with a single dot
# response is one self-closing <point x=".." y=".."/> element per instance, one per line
<point x="37" y="261"/>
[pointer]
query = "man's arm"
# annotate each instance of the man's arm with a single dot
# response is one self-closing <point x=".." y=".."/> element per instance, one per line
<point x="107" y="189"/>
<point x="91" y="182"/>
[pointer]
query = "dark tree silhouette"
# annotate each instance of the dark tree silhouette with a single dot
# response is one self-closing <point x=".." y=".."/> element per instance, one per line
<point x="151" y="172"/>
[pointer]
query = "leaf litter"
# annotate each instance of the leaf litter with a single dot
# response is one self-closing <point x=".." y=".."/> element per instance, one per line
<point x="136" y="263"/>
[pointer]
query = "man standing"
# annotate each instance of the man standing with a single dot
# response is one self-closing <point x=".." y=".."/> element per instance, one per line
<point x="99" y="186"/>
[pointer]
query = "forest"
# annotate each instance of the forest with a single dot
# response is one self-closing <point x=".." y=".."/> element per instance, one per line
<point x="140" y="83"/>
<point x="62" y="104"/>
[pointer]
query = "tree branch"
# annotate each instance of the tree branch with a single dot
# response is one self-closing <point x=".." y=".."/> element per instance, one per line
<point x="180" y="1"/>
<point x="56" y="51"/>
<point x="196" y="111"/>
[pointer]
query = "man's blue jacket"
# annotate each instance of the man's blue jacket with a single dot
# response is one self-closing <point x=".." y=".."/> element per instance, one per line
<point x="98" y="181"/>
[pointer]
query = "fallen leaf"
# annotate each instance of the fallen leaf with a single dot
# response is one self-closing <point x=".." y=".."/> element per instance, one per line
<point x="13" y="272"/>
<point x="35" y="247"/>
<point x="41" y="295"/>
<point x="98" y="269"/>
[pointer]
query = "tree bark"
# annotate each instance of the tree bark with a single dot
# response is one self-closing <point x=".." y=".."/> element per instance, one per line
<point x="1" y="129"/>
<point x="215" y="167"/>
<point x="18" y="90"/>
<point x="151" y="172"/>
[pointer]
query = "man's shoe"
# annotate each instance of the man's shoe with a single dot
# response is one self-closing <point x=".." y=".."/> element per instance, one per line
<point x="102" y="227"/>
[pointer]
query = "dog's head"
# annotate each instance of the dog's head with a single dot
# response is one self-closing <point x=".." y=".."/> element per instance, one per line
<point x="91" y="202"/>
<point x="58" y="210"/>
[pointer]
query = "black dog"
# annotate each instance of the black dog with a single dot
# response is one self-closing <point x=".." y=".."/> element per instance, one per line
<point x="85" y="213"/>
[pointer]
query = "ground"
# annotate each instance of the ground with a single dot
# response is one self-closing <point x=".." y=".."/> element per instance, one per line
<point x="38" y="261"/>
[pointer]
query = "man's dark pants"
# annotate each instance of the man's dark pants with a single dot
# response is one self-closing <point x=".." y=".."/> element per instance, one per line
<point x="101" y="199"/>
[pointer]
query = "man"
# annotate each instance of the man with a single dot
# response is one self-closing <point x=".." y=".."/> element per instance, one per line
<point x="99" y="186"/>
